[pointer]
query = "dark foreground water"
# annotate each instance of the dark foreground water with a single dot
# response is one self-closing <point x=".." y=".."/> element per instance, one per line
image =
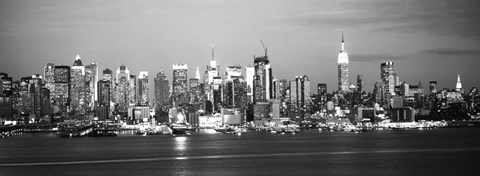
<point x="408" y="152"/>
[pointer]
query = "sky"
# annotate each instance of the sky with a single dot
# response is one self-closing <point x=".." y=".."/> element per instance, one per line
<point x="426" y="39"/>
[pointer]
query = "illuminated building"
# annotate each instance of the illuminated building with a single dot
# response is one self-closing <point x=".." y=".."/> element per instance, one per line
<point x="389" y="77"/>
<point x="299" y="95"/>
<point x="249" y="75"/>
<point x="360" y="83"/>
<point x="194" y="86"/>
<point x="49" y="77"/>
<point x="61" y="94"/>
<point x="433" y="87"/>
<point x="77" y="90"/>
<point x="132" y="90"/>
<point x="91" y="79"/>
<point x="180" y="85"/>
<point x="143" y="89"/>
<point x="122" y="89"/>
<point x="262" y="79"/>
<point x="6" y="84"/>
<point x="213" y="69"/>
<point x="343" y="82"/>
<point x="161" y="91"/>
<point x="458" y="87"/>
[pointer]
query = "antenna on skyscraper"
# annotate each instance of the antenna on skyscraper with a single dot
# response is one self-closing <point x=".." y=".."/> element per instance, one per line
<point x="213" y="51"/>
<point x="264" y="48"/>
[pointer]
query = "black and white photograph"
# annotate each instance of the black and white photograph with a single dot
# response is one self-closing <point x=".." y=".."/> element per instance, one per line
<point x="239" y="87"/>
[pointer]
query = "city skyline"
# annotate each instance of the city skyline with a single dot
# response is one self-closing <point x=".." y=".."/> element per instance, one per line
<point x="123" y="34"/>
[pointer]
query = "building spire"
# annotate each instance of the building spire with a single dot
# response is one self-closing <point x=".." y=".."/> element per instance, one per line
<point x="459" y="84"/>
<point x="197" y="74"/>
<point x="343" y="42"/>
<point x="213" y="51"/>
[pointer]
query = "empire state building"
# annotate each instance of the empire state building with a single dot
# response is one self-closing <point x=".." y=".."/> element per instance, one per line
<point x="343" y="69"/>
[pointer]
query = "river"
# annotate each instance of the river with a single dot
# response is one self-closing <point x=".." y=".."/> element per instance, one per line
<point x="447" y="151"/>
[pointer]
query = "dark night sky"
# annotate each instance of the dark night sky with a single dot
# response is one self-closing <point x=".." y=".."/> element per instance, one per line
<point x="427" y="40"/>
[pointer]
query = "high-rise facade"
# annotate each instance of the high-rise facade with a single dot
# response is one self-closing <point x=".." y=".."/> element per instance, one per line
<point x="458" y="87"/>
<point x="143" y="97"/>
<point x="61" y="94"/>
<point x="122" y="89"/>
<point x="78" y="88"/>
<point x="91" y="79"/>
<point x="360" y="83"/>
<point x="161" y="91"/>
<point x="48" y="75"/>
<point x="249" y="75"/>
<point x="389" y="77"/>
<point x="342" y="61"/>
<point x="180" y="85"/>
<point x="263" y="78"/>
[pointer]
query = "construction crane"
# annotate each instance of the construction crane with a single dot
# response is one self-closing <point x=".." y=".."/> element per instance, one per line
<point x="264" y="48"/>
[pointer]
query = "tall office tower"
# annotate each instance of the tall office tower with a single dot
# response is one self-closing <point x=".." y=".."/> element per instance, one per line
<point x="180" y="85"/>
<point x="433" y="87"/>
<point x="322" y="88"/>
<point x="91" y="79"/>
<point x="343" y="82"/>
<point x="360" y="83"/>
<point x="26" y="96"/>
<point x="48" y="75"/>
<point x="107" y="75"/>
<point x="249" y="73"/>
<point x="104" y="92"/>
<point x="161" y="91"/>
<point x="194" y="87"/>
<point x="6" y="84"/>
<point x="61" y="93"/>
<point x="122" y="89"/>
<point x="234" y="93"/>
<point x="239" y="93"/>
<point x="36" y="92"/>
<point x="213" y="69"/>
<point x="263" y="72"/>
<point x="283" y="86"/>
<point x="143" y="88"/>
<point x="458" y="87"/>
<point x="132" y="90"/>
<point x="275" y="88"/>
<point x="197" y="74"/>
<point x="293" y="98"/>
<point x="77" y="91"/>
<point x="389" y="77"/>
<point x="234" y="71"/>
<point x="228" y="94"/>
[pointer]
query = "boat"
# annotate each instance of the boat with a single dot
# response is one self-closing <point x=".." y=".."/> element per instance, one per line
<point x="75" y="131"/>
<point x="180" y="132"/>
<point x="102" y="133"/>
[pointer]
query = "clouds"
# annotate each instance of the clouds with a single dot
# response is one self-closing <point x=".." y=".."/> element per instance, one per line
<point x="451" y="52"/>
<point x="374" y="58"/>
<point x="437" y="17"/>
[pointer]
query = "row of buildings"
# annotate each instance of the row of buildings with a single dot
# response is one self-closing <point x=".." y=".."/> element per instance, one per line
<point x="250" y="93"/>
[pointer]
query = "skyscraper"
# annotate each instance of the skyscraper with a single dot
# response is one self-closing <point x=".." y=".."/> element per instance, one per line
<point x="61" y="93"/>
<point x="389" y="77"/>
<point x="343" y="82"/>
<point x="180" y="85"/>
<point x="122" y="88"/>
<point x="458" y="87"/>
<point x="91" y="79"/>
<point x="48" y="75"/>
<point x="161" y="91"/>
<point x="249" y="74"/>
<point x="433" y="87"/>
<point x="360" y="83"/>
<point x="263" y="74"/>
<point x="143" y="98"/>
<point x="78" y="88"/>
<point x="212" y="69"/>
